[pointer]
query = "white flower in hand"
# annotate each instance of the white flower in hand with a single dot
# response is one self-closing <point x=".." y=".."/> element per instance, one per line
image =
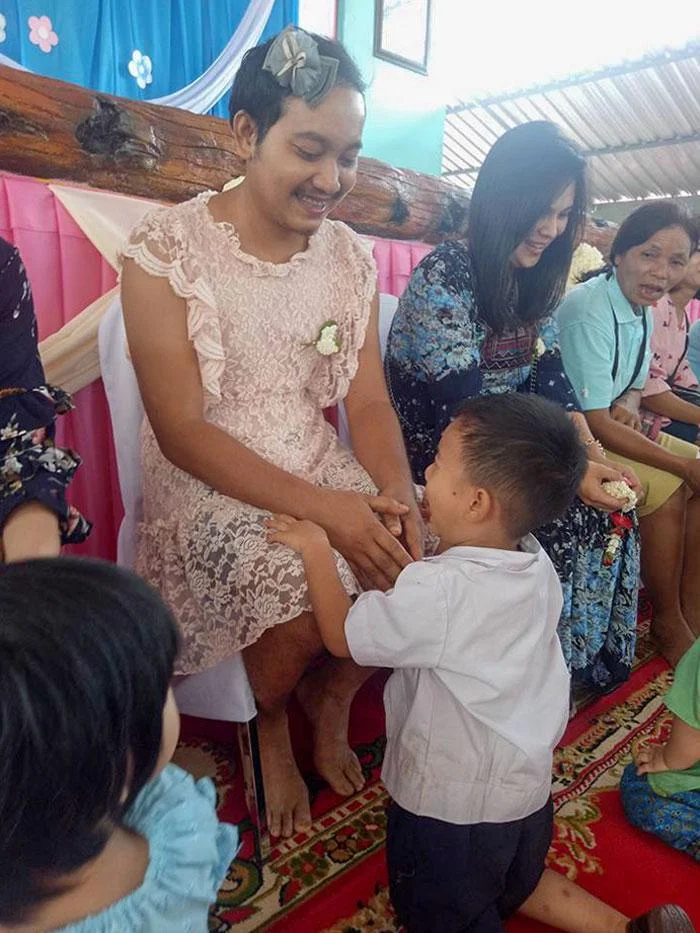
<point x="620" y="489"/>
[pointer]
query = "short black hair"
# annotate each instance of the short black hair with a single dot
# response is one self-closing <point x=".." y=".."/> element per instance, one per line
<point x="263" y="98"/>
<point x="527" y="451"/>
<point x="86" y="657"/>
<point x="641" y="225"/>
<point x="525" y="171"/>
<point x="647" y="220"/>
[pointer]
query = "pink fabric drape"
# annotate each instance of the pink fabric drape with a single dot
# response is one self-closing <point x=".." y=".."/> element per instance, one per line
<point x="396" y="260"/>
<point x="67" y="273"/>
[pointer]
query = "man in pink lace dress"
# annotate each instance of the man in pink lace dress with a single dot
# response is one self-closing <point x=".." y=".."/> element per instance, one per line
<point x="247" y="313"/>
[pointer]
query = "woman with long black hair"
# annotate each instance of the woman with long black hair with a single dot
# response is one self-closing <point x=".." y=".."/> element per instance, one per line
<point x="476" y="319"/>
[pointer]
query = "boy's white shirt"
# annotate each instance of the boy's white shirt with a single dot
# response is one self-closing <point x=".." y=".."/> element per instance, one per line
<point x="480" y="693"/>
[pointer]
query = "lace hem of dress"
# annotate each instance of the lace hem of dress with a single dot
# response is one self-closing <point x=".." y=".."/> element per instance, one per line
<point x="203" y="326"/>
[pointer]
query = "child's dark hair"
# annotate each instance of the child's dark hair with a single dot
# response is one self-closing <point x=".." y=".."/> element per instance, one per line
<point x="86" y="657"/>
<point x="527" y="451"/>
<point x="641" y="225"/>
<point x="262" y="97"/>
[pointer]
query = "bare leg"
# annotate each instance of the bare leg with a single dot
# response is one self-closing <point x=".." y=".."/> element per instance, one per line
<point x="326" y="696"/>
<point x="663" y="538"/>
<point x="275" y="664"/>
<point x="564" y="905"/>
<point x="690" y="580"/>
<point x="31" y="531"/>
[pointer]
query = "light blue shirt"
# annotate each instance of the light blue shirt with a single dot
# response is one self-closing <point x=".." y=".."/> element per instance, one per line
<point x="693" y="355"/>
<point x="586" y="319"/>
<point x="189" y="854"/>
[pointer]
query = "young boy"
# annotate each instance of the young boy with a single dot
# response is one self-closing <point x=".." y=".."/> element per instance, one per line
<point x="480" y="694"/>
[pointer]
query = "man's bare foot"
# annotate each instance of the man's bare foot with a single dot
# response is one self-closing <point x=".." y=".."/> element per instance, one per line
<point x="329" y="713"/>
<point x="673" y="637"/>
<point x="286" y="796"/>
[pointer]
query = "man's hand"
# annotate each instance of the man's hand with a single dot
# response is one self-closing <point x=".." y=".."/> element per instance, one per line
<point x="409" y="528"/>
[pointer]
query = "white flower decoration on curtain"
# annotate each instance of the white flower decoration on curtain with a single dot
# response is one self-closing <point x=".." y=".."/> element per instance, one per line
<point x="141" y="68"/>
<point x="41" y="33"/>
<point x="3" y="28"/>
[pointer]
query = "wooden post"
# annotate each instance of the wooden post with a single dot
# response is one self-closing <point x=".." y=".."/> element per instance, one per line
<point x="50" y="129"/>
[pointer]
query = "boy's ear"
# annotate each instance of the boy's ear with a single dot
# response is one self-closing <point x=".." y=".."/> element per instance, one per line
<point x="480" y="504"/>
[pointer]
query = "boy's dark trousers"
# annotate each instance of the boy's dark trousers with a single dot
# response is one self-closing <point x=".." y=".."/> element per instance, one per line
<point x="445" y="878"/>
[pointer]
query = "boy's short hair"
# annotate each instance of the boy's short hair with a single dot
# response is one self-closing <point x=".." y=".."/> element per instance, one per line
<point x="262" y="97"/>
<point x="86" y="657"/>
<point x="526" y="450"/>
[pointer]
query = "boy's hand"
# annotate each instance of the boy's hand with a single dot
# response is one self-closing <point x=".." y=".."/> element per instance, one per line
<point x="296" y="534"/>
<point x="649" y="759"/>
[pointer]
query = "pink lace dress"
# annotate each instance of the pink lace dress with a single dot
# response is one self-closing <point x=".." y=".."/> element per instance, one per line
<point x="251" y="323"/>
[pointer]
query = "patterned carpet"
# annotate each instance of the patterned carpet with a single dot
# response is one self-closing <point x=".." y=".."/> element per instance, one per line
<point x="333" y="878"/>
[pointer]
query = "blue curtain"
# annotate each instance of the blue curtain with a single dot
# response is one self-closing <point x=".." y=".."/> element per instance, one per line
<point x="97" y="39"/>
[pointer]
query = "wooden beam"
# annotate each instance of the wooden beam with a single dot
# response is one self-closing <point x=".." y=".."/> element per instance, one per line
<point x="50" y="129"/>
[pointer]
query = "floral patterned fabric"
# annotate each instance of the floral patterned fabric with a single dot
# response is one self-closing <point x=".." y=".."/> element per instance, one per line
<point x="440" y="353"/>
<point x="32" y="467"/>
<point x="669" y="368"/>
<point x="253" y="325"/>
<point x="675" y="820"/>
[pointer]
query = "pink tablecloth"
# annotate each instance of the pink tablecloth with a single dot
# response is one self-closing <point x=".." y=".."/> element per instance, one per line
<point x="67" y="273"/>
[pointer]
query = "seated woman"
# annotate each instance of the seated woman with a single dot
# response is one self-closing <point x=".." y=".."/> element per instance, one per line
<point x="247" y="313"/>
<point x="670" y="397"/>
<point x="476" y="319"/>
<point x="35" y="518"/>
<point x="605" y="326"/>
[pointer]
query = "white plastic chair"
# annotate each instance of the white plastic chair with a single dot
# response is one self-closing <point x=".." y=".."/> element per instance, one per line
<point x="223" y="692"/>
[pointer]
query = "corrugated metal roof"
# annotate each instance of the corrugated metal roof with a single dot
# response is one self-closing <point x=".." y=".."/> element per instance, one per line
<point x="638" y="123"/>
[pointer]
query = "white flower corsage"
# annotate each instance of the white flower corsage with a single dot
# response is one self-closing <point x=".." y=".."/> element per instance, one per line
<point x="328" y="342"/>
<point x="540" y="348"/>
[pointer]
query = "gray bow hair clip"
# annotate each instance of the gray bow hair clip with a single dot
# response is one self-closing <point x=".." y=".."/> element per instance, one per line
<point x="294" y="62"/>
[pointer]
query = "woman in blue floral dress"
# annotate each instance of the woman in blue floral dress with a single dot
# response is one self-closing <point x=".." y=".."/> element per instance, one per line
<point x="35" y="518"/>
<point x="476" y="319"/>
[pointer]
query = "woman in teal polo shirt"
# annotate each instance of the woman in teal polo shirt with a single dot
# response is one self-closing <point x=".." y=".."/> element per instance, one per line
<point x="604" y="329"/>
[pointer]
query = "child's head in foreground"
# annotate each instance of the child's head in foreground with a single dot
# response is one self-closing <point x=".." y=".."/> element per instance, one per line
<point x="506" y="465"/>
<point x="86" y="717"/>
